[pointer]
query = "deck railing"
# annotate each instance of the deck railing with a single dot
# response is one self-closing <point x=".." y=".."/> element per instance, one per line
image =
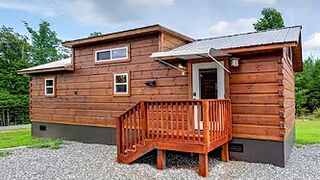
<point x="199" y="122"/>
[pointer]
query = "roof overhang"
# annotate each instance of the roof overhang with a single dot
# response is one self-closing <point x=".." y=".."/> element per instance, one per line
<point x="187" y="54"/>
<point x="211" y="53"/>
<point x="126" y="34"/>
<point x="61" y="65"/>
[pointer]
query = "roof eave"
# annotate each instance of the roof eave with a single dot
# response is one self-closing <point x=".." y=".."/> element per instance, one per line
<point x="125" y="34"/>
<point x="54" y="69"/>
<point x="260" y="47"/>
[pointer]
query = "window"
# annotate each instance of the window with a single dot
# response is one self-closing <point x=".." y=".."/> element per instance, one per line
<point x="121" y="84"/>
<point x="49" y="87"/>
<point x="112" y="54"/>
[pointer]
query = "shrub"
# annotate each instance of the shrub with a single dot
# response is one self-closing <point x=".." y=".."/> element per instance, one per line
<point x="316" y="113"/>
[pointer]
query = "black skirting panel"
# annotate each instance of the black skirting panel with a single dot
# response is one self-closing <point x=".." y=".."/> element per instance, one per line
<point x="262" y="151"/>
<point x="249" y="150"/>
<point x="87" y="134"/>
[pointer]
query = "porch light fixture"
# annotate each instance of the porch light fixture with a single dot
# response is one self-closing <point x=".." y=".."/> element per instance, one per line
<point x="234" y="62"/>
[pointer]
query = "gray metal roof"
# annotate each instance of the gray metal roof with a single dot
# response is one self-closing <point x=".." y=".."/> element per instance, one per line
<point x="63" y="63"/>
<point x="288" y="34"/>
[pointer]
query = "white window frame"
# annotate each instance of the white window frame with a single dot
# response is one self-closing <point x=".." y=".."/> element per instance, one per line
<point x="115" y="84"/>
<point x="53" y="86"/>
<point x="111" y="58"/>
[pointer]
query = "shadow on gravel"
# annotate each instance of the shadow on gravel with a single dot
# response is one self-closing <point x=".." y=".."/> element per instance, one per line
<point x="178" y="160"/>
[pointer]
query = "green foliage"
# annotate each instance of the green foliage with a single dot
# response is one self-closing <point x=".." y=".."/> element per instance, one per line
<point x="18" y="138"/>
<point x="15" y="54"/>
<point x="317" y="113"/>
<point x="4" y="153"/>
<point x="51" y="143"/>
<point x="271" y="19"/>
<point x="308" y="87"/>
<point x="94" y="34"/>
<point x="46" y="45"/>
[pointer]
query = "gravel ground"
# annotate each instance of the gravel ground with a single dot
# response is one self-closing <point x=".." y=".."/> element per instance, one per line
<point x="93" y="161"/>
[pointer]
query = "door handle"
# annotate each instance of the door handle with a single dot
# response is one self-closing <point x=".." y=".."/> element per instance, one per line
<point x="194" y="94"/>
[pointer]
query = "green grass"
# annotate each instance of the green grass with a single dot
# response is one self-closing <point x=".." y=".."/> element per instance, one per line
<point x="17" y="138"/>
<point x="308" y="130"/>
<point x="4" y="153"/>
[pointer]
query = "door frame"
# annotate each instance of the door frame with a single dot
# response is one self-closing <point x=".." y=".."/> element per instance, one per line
<point x="196" y="86"/>
<point x="196" y="81"/>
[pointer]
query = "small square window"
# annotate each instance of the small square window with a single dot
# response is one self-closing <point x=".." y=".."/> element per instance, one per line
<point x="49" y="87"/>
<point x="121" y="84"/>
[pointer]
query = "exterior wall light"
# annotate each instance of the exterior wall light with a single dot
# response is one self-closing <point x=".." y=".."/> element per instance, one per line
<point x="234" y="62"/>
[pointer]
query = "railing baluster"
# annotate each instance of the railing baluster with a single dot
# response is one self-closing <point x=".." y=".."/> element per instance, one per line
<point x="156" y="120"/>
<point x="167" y="121"/>
<point x="161" y="117"/>
<point x="171" y="116"/>
<point x="177" y="120"/>
<point x="122" y="133"/>
<point x="193" y="121"/>
<point x="182" y="121"/>
<point x="151" y="120"/>
<point x="199" y="120"/>
<point x="188" y="121"/>
<point x="127" y="131"/>
<point x="139" y="123"/>
<point x="135" y="125"/>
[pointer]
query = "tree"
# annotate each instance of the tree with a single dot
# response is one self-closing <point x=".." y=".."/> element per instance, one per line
<point x="271" y="19"/>
<point x="308" y="87"/>
<point x="94" y="34"/>
<point x="15" y="54"/>
<point x="46" y="45"/>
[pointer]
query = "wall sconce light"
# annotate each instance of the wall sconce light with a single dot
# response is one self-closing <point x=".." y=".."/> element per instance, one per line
<point x="181" y="66"/>
<point x="234" y="62"/>
<point x="151" y="83"/>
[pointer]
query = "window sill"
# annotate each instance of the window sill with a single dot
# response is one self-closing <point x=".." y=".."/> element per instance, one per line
<point x="111" y="61"/>
<point x="121" y="95"/>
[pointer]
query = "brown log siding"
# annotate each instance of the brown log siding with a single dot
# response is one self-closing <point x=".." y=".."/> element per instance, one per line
<point x="255" y="97"/>
<point x="84" y="97"/>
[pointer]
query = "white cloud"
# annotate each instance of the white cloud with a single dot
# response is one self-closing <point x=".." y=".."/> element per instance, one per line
<point x="96" y="12"/>
<point x="231" y="27"/>
<point x="311" y="47"/>
<point x="269" y="2"/>
<point x="313" y="42"/>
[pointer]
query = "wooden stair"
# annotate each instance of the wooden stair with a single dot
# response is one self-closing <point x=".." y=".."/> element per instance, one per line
<point x="134" y="154"/>
<point x="173" y="125"/>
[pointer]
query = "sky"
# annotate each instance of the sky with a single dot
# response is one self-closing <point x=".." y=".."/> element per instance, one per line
<point x="73" y="19"/>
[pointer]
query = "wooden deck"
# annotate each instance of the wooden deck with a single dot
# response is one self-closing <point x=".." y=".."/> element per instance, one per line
<point x="195" y="126"/>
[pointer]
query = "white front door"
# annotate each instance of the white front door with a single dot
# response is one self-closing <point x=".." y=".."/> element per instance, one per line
<point x="207" y="83"/>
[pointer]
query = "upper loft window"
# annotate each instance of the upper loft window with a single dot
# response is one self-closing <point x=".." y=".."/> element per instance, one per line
<point x="49" y="89"/>
<point x="112" y="54"/>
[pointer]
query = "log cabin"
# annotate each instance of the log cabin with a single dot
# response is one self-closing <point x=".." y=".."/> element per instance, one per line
<point x="154" y="88"/>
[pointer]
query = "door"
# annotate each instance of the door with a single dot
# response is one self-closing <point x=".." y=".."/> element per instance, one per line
<point x="207" y="83"/>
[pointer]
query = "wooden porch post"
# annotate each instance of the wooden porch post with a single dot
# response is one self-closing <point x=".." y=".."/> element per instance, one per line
<point x="161" y="159"/>
<point x="225" y="152"/>
<point x="203" y="165"/>
<point x="118" y="138"/>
